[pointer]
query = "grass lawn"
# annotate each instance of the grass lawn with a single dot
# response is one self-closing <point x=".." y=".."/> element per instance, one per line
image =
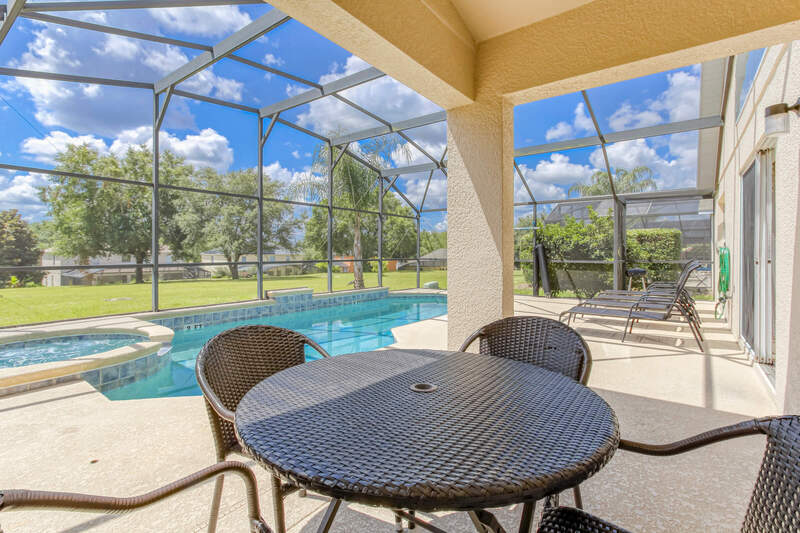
<point x="43" y="304"/>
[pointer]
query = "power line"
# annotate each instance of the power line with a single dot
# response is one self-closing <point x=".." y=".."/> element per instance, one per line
<point x="28" y="122"/>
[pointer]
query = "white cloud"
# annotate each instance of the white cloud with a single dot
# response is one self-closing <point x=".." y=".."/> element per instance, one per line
<point x="296" y="154"/>
<point x="562" y="130"/>
<point x="682" y="98"/>
<point x="278" y="172"/>
<point x="273" y="60"/>
<point x="680" y="101"/>
<point x="206" y="149"/>
<point x="406" y="154"/>
<point x="211" y="21"/>
<point x="166" y="60"/>
<point x="385" y="97"/>
<point x="20" y="193"/>
<point x="107" y="111"/>
<point x="626" y="117"/>
<point x="581" y="125"/>
<point x="676" y="170"/>
<point x="415" y="188"/>
<point x="119" y="47"/>
<point x="45" y="150"/>
<point x="551" y="178"/>
<point x="582" y="120"/>
<point x="557" y="171"/>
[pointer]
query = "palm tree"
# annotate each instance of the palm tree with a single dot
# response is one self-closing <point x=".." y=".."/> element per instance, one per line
<point x="639" y="179"/>
<point x="354" y="185"/>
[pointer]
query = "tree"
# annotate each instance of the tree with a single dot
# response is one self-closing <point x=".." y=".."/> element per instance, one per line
<point x="637" y="180"/>
<point x="432" y="240"/>
<point x="399" y="233"/>
<point x="18" y="247"/>
<point x="90" y="218"/>
<point x="231" y="223"/>
<point x="354" y="187"/>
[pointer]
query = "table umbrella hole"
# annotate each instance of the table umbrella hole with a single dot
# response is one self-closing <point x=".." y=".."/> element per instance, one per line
<point x="423" y="387"/>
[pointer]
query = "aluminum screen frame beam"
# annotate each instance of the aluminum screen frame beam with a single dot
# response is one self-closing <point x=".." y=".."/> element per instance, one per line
<point x="51" y="19"/>
<point x="327" y="89"/>
<point x="10" y="13"/>
<point x="392" y="127"/>
<point x="20" y="73"/>
<point x="713" y="121"/>
<point x="105" y="5"/>
<point x="244" y="36"/>
<point x="411" y="169"/>
<point x="159" y="39"/>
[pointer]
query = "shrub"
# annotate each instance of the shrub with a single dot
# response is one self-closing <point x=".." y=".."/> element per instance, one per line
<point x="593" y="240"/>
<point x="645" y="247"/>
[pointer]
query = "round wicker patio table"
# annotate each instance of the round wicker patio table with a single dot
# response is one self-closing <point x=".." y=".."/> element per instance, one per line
<point x="483" y="431"/>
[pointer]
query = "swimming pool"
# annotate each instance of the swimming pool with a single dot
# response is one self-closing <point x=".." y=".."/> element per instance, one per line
<point x="51" y="349"/>
<point x="339" y="329"/>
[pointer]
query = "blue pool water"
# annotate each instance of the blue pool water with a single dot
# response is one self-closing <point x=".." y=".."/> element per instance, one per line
<point x="339" y="329"/>
<point x="61" y="348"/>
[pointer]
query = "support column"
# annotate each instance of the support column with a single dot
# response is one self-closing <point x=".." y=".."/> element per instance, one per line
<point x="260" y="223"/>
<point x="262" y="139"/>
<point x="419" y="237"/>
<point x="619" y="244"/>
<point x="380" y="231"/>
<point x="480" y="216"/>
<point x="330" y="218"/>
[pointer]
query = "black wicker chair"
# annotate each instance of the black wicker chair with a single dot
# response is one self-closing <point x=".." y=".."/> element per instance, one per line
<point x="773" y="505"/>
<point x="37" y="499"/>
<point x="539" y="341"/>
<point x="228" y="366"/>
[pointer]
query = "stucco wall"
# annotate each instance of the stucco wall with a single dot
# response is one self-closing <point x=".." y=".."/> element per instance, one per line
<point x="777" y="80"/>
<point x="480" y="216"/>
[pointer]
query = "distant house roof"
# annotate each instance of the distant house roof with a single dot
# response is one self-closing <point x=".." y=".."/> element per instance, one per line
<point x="441" y="253"/>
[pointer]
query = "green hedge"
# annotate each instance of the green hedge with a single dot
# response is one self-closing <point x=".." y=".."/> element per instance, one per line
<point x="645" y="247"/>
<point x="594" y="240"/>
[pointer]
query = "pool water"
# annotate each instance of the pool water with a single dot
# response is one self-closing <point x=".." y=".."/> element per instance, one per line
<point x="339" y="329"/>
<point x="61" y="348"/>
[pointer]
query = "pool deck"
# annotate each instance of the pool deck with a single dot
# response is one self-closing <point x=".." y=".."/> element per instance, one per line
<point x="70" y="437"/>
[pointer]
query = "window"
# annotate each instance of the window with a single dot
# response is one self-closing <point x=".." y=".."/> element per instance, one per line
<point x="746" y="68"/>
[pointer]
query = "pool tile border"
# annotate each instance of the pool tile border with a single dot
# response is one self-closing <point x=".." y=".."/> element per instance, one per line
<point x="280" y="302"/>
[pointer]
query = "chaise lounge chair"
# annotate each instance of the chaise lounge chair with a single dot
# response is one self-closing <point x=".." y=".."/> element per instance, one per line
<point x="656" y="304"/>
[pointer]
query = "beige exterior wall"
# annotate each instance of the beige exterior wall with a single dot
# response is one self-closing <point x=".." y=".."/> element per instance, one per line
<point x="480" y="216"/>
<point x="777" y="80"/>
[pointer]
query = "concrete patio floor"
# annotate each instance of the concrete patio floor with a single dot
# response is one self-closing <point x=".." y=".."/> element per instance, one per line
<point x="72" y="438"/>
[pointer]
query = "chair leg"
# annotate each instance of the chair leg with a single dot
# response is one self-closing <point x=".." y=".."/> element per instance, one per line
<point x="277" y="503"/>
<point x="330" y="514"/>
<point x="476" y="522"/>
<point x="215" y="502"/>
<point x="526" y="520"/>
<point x="576" y="492"/>
<point x="398" y="523"/>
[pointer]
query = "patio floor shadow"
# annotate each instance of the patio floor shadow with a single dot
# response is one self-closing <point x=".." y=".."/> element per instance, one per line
<point x="70" y="437"/>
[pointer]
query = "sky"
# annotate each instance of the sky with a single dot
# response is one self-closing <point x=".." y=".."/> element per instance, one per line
<point x="40" y="118"/>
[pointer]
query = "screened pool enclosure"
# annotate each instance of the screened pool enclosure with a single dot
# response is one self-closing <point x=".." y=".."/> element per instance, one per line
<point x="370" y="204"/>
